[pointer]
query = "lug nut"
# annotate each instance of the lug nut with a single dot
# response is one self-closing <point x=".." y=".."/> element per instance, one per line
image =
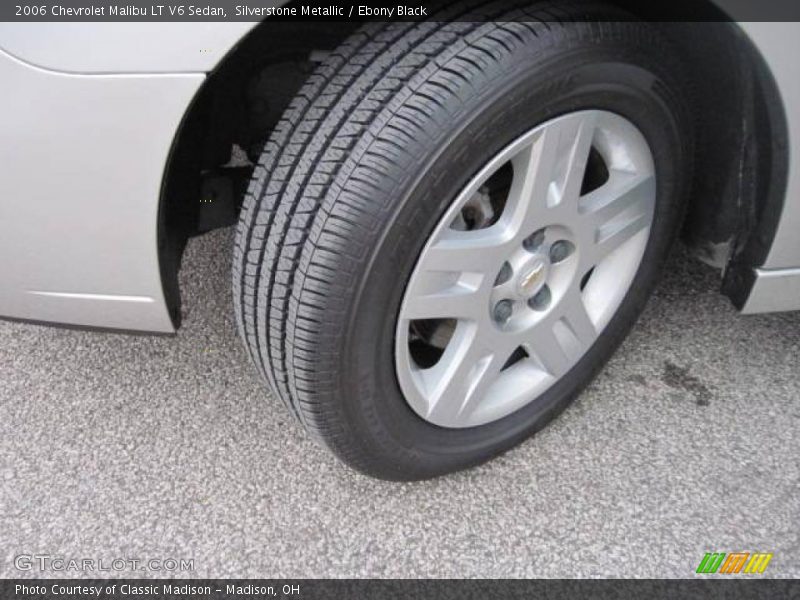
<point x="560" y="250"/>
<point x="504" y="275"/>
<point x="503" y="310"/>
<point x="541" y="300"/>
<point x="534" y="240"/>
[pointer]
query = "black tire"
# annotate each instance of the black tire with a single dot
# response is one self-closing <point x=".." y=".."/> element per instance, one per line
<point x="364" y="164"/>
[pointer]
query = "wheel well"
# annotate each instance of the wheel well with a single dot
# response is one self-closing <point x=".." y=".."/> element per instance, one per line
<point x="740" y="164"/>
<point x="224" y="129"/>
<point x="740" y="170"/>
<point x="741" y="159"/>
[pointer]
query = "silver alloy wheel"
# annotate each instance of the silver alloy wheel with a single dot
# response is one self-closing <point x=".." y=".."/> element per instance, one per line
<point x="506" y="302"/>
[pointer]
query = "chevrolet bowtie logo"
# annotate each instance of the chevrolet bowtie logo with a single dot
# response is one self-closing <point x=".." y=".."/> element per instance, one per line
<point x="531" y="279"/>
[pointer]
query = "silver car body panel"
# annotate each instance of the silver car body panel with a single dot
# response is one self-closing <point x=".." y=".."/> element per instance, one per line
<point x="81" y="183"/>
<point x="86" y="142"/>
<point x="88" y="132"/>
<point x="774" y="290"/>
<point x="126" y="47"/>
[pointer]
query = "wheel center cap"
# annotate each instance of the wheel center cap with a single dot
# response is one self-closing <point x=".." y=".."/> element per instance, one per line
<point x="532" y="277"/>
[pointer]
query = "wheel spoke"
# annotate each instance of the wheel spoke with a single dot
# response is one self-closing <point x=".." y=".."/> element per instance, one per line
<point x="545" y="347"/>
<point x="617" y="211"/>
<point x="534" y="168"/>
<point x="548" y="173"/>
<point x="482" y="251"/>
<point x="559" y="342"/>
<point x="581" y="135"/>
<point x="578" y="322"/>
<point x="434" y="295"/>
<point x="454" y="275"/>
<point x="463" y="375"/>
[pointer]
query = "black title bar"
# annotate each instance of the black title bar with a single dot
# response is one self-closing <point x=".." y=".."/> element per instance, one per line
<point x="333" y="10"/>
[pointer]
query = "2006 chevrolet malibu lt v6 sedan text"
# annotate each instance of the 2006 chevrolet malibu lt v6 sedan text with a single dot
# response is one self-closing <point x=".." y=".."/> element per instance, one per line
<point x="444" y="227"/>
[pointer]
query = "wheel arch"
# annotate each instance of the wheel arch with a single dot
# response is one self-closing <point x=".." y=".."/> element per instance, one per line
<point x="741" y="161"/>
<point x="221" y="115"/>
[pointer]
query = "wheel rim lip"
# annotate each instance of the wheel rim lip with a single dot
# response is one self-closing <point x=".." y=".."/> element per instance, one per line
<point x="613" y="126"/>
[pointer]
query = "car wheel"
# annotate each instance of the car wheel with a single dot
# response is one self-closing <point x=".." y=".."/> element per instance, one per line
<point x="453" y="228"/>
